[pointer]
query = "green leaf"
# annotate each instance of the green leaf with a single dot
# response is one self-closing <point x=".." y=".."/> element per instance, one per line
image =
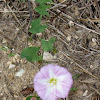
<point x="76" y="76"/>
<point x="10" y="55"/>
<point x="38" y="98"/>
<point x="3" y="48"/>
<point x="42" y="9"/>
<point x="73" y="89"/>
<point x="30" y="53"/>
<point x="29" y="98"/>
<point x="43" y="1"/>
<point x="36" y="26"/>
<point x="48" y="45"/>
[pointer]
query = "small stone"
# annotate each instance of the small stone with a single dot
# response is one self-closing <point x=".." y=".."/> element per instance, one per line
<point x="91" y="66"/>
<point x="13" y="49"/>
<point x="85" y="93"/>
<point x="11" y="66"/>
<point x="76" y="37"/>
<point x="71" y="23"/>
<point x="20" y="73"/>
<point x="47" y="56"/>
<point x="30" y="44"/>
<point x="69" y="38"/>
<point x="94" y="40"/>
<point x="1" y="94"/>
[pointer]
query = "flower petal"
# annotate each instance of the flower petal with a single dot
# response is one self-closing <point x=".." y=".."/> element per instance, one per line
<point x="62" y="92"/>
<point x="45" y="94"/>
<point x="40" y="81"/>
<point x="50" y="70"/>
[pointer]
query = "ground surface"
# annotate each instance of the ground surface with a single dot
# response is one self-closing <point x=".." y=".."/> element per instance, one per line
<point x="77" y="33"/>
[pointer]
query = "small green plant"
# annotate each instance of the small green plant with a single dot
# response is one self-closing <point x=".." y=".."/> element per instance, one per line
<point x="48" y="45"/>
<point x="76" y="76"/>
<point x="3" y="48"/>
<point x="31" y="53"/>
<point x="11" y="55"/>
<point x="36" y="26"/>
<point x="73" y="89"/>
<point x="29" y="97"/>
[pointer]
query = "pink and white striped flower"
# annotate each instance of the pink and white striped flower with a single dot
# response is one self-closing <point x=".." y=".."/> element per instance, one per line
<point x="53" y="82"/>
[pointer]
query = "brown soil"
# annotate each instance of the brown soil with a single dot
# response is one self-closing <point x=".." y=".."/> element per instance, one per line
<point x="77" y="32"/>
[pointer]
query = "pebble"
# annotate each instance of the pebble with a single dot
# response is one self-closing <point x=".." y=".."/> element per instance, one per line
<point x="17" y="29"/>
<point x="91" y="66"/>
<point x="71" y="23"/>
<point x="94" y="40"/>
<point x="30" y="44"/>
<point x="85" y="93"/>
<point x="76" y="37"/>
<point x="11" y="66"/>
<point x="20" y="73"/>
<point x="69" y="38"/>
<point x="13" y="49"/>
<point x="47" y="56"/>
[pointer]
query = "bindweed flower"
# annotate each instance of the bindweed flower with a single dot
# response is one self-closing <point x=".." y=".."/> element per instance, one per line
<point x="52" y="82"/>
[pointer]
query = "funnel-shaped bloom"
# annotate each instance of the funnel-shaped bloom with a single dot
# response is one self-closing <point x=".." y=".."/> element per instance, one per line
<point x="52" y="82"/>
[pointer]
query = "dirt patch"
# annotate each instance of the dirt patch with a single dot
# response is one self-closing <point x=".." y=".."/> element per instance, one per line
<point x="76" y="28"/>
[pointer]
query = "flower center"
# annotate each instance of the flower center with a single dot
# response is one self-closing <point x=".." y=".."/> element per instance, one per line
<point x="53" y="81"/>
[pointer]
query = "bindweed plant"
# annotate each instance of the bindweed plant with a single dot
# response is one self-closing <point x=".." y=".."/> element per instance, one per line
<point x="52" y="81"/>
<point x="30" y="53"/>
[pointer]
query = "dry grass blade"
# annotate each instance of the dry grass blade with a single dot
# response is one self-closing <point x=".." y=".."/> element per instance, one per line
<point x="13" y="13"/>
<point x="84" y="70"/>
<point x="91" y="20"/>
<point x="95" y="90"/>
